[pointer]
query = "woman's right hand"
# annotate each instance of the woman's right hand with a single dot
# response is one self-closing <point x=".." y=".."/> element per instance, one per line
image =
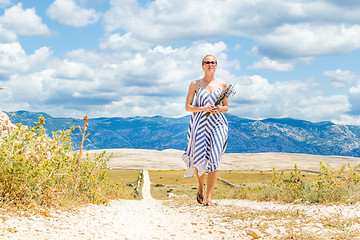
<point x="208" y="108"/>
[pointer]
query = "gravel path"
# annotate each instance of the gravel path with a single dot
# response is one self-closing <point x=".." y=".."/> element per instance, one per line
<point x="185" y="219"/>
<point x="120" y="219"/>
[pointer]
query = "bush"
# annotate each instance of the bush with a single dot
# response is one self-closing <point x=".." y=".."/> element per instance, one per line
<point x="327" y="187"/>
<point x="38" y="171"/>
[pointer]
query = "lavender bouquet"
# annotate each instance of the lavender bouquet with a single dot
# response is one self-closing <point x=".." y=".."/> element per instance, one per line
<point x="228" y="92"/>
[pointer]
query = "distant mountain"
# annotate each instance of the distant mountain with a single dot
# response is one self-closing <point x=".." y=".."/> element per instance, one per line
<point x="245" y="135"/>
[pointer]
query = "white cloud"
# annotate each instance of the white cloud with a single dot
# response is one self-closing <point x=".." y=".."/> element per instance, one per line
<point x="354" y="99"/>
<point x="23" y="22"/>
<point x="73" y="70"/>
<point x="256" y="98"/>
<point x="308" y="40"/>
<point x="272" y="65"/>
<point x="149" y="83"/>
<point x="4" y="3"/>
<point x="164" y="20"/>
<point x="292" y="29"/>
<point x="96" y="84"/>
<point x="341" y="78"/>
<point x="69" y="13"/>
<point x="355" y="90"/>
<point x="124" y="42"/>
<point x="7" y="36"/>
<point x="13" y="59"/>
<point x="321" y="108"/>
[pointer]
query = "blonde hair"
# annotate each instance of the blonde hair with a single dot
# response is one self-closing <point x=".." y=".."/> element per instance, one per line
<point x="202" y="63"/>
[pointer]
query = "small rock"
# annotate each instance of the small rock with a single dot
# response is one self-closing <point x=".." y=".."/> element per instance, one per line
<point x="254" y="233"/>
<point x="12" y="230"/>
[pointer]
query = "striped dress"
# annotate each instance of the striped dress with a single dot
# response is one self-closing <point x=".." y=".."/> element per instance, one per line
<point x="206" y="137"/>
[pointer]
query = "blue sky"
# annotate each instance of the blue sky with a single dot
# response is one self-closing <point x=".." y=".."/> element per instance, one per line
<point x="121" y="58"/>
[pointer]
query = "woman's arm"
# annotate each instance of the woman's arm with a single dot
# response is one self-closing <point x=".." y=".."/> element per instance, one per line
<point x="194" y="85"/>
<point x="225" y="104"/>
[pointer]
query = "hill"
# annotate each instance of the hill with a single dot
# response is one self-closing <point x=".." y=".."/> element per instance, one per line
<point x="245" y="135"/>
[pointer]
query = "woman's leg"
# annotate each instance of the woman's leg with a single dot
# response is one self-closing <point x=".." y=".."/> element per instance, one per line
<point x="201" y="183"/>
<point x="211" y="181"/>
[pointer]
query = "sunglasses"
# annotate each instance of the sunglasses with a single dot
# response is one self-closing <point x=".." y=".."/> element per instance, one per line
<point x="210" y="62"/>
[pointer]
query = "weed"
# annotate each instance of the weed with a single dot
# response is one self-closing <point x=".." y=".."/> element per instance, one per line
<point x="38" y="171"/>
<point x="328" y="186"/>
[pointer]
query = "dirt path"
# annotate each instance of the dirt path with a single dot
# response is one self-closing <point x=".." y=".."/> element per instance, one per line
<point x="146" y="193"/>
<point x="120" y="219"/>
<point x="185" y="219"/>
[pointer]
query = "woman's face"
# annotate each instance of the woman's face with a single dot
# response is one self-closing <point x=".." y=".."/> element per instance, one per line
<point x="209" y="64"/>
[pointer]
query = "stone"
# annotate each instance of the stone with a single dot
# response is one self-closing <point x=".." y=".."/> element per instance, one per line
<point x="254" y="233"/>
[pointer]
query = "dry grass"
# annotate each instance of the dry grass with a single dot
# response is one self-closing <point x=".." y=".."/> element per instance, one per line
<point x="38" y="172"/>
<point x="328" y="186"/>
<point x="288" y="224"/>
<point x="286" y="221"/>
<point x="173" y="181"/>
<point x="129" y="178"/>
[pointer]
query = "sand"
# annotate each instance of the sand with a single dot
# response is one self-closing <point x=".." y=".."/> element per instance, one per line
<point x="170" y="159"/>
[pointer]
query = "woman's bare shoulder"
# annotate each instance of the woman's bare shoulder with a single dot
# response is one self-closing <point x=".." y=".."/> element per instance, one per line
<point x="194" y="84"/>
<point x="223" y="85"/>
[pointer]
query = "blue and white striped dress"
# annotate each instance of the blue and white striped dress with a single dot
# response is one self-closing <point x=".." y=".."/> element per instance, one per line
<point x="206" y="137"/>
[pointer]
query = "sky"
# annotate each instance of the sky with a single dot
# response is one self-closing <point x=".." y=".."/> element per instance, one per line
<point x="126" y="58"/>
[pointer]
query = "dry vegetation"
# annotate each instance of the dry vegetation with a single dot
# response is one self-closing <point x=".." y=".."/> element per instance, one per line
<point x="40" y="172"/>
<point x="327" y="186"/>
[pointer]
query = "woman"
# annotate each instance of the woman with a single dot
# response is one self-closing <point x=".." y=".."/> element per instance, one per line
<point x="207" y="136"/>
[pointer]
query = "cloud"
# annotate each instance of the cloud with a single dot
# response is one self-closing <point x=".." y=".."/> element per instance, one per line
<point x="152" y="82"/>
<point x="355" y="99"/>
<point x="23" y="22"/>
<point x="341" y="78"/>
<point x="4" y="3"/>
<point x="346" y="4"/>
<point x="97" y="84"/>
<point x="256" y="98"/>
<point x="13" y="59"/>
<point x="272" y="65"/>
<point x="69" y="13"/>
<point x="308" y="40"/>
<point x="294" y="29"/>
<point x="164" y="20"/>
<point x="7" y="36"/>
<point x="124" y="42"/>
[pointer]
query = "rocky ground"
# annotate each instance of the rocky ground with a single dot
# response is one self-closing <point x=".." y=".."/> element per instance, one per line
<point x="182" y="218"/>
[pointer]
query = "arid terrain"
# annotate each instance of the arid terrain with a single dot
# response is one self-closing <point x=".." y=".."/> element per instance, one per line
<point x="182" y="218"/>
<point x="171" y="160"/>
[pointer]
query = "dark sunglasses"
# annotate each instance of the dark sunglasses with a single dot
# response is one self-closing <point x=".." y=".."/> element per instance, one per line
<point x="210" y="62"/>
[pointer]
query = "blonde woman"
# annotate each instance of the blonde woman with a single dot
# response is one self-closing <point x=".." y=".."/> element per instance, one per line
<point x="207" y="136"/>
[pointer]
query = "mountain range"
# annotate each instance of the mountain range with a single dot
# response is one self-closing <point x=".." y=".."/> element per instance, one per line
<point x="245" y="135"/>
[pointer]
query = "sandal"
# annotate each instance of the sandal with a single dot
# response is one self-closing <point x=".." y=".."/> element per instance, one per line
<point x="200" y="199"/>
<point x="209" y="204"/>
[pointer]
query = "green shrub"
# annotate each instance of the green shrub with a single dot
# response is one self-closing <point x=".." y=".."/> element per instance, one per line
<point x="328" y="186"/>
<point x="37" y="171"/>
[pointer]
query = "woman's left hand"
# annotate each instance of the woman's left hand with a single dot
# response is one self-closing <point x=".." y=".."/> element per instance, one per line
<point x="215" y="110"/>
